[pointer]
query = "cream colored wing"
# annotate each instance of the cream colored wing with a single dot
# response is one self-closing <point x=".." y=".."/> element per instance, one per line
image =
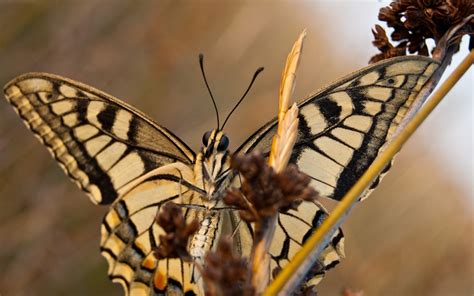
<point x="341" y="130"/>
<point x="129" y="234"/>
<point x="342" y="127"/>
<point x="102" y="143"/>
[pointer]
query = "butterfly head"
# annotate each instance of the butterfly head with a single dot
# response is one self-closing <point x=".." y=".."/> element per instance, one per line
<point x="214" y="161"/>
<point x="215" y="149"/>
<point x="214" y="141"/>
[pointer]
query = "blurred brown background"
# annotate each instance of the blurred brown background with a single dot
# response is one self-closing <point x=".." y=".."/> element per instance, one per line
<point x="412" y="237"/>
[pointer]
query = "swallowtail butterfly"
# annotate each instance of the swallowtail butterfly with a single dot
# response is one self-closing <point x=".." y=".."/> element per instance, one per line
<point x="123" y="159"/>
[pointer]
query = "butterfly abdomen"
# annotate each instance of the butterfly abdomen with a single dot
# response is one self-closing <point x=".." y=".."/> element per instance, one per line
<point x="203" y="240"/>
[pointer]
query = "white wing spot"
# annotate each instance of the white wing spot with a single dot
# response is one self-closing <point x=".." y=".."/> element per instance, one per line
<point x="122" y="124"/>
<point x="71" y="119"/>
<point x="321" y="188"/>
<point x="369" y="78"/>
<point x="142" y="220"/>
<point x="93" y="109"/>
<point x="35" y="85"/>
<point x="372" y="108"/>
<point x="12" y="91"/>
<point x="379" y="93"/>
<point x="127" y="169"/>
<point x="96" y="144"/>
<point x="359" y="122"/>
<point x="350" y="137"/>
<point x="68" y="91"/>
<point x="319" y="167"/>
<point x="314" y="118"/>
<point x="110" y="155"/>
<point x="96" y="195"/>
<point x="85" y="132"/>
<point x="334" y="149"/>
<point x="296" y="228"/>
<point x="62" y="107"/>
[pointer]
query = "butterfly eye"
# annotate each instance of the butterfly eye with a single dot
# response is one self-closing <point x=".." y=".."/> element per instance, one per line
<point x="223" y="143"/>
<point x="205" y="138"/>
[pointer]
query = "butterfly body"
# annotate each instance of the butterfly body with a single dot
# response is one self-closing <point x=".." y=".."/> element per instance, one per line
<point x="122" y="158"/>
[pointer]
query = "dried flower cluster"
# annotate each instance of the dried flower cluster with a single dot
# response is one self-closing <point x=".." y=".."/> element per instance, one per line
<point x="173" y="244"/>
<point x="264" y="192"/>
<point x="414" y="21"/>
<point x="226" y="273"/>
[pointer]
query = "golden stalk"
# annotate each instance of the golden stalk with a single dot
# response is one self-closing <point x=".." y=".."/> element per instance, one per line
<point x="287" y="86"/>
<point x="280" y="153"/>
<point x="353" y="194"/>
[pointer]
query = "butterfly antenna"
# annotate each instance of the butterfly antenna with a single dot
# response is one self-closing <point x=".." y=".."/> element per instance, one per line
<point x="201" y="63"/>
<point x="246" y="92"/>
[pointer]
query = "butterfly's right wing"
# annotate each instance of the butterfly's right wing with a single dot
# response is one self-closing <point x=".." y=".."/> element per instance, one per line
<point x="293" y="229"/>
<point x="342" y="128"/>
<point x="102" y="143"/>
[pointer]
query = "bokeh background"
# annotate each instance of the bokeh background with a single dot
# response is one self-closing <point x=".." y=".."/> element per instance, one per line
<point x="413" y="236"/>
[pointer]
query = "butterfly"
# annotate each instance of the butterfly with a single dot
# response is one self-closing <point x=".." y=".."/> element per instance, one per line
<point x="122" y="158"/>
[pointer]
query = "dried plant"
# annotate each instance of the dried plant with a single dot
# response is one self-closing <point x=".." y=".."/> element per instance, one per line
<point x="415" y="21"/>
<point x="225" y="272"/>
<point x="174" y="243"/>
<point x="264" y="192"/>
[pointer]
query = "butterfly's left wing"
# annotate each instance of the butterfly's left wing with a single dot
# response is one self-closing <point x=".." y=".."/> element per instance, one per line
<point x="130" y="235"/>
<point x="102" y="143"/>
<point x="342" y="128"/>
<point x="118" y="156"/>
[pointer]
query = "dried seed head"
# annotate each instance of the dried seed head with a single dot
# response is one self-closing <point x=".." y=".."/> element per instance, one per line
<point x="264" y="192"/>
<point x="387" y="49"/>
<point x="173" y="244"/>
<point x="226" y="273"/>
<point x="415" y="21"/>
